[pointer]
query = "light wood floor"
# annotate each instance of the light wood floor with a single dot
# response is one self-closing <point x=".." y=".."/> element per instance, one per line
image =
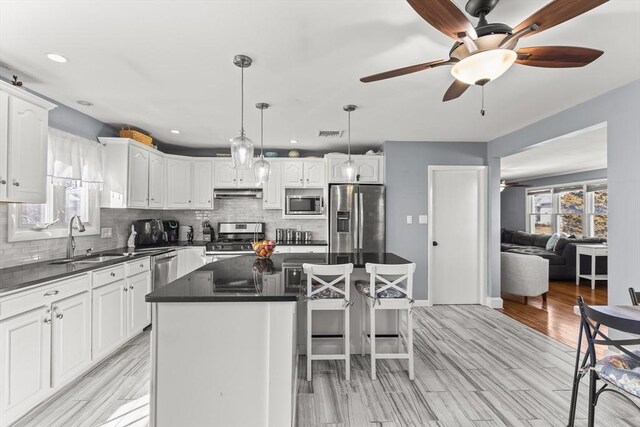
<point x="474" y="367"/>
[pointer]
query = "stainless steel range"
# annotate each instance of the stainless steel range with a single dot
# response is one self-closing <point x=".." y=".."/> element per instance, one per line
<point x="236" y="237"/>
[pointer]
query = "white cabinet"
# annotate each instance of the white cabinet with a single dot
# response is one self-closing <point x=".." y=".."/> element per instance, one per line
<point x="25" y="362"/>
<point x="71" y="338"/>
<point x="138" y="177"/>
<point x="24" y="121"/>
<point x="156" y="181"/>
<point x="226" y="176"/>
<point x="190" y="259"/>
<point x="369" y="169"/>
<point x="178" y="183"/>
<point x="109" y="311"/>
<point x="272" y="190"/>
<point x="300" y="249"/>
<point x="303" y="173"/>
<point x="314" y="175"/>
<point x="292" y="174"/>
<point x="247" y="178"/>
<point x="201" y="184"/>
<point x="138" y="310"/>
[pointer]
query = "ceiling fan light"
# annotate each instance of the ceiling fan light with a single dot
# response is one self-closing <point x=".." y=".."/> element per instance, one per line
<point x="482" y="67"/>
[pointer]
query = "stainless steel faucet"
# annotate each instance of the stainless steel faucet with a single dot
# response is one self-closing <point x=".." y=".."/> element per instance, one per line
<point x="71" y="242"/>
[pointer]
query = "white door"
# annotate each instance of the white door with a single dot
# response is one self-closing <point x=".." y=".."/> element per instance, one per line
<point x="28" y="133"/>
<point x="314" y="173"/>
<point x="224" y="175"/>
<point x="24" y="362"/>
<point x="272" y="190"/>
<point x="178" y="183"/>
<point x="156" y="181"/>
<point x="71" y="338"/>
<point x="138" y="310"/>
<point x="292" y="174"/>
<point x="109" y="314"/>
<point x="4" y="134"/>
<point x="457" y="235"/>
<point x="138" y="177"/>
<point x="247" y="178"/>
<point x="202" y="184"/>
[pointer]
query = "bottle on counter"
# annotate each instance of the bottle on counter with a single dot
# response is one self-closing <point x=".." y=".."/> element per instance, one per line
<point x="131" y="243"/>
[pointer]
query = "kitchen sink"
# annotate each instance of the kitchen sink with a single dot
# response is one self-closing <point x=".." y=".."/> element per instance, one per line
<point x="95" y="259"/>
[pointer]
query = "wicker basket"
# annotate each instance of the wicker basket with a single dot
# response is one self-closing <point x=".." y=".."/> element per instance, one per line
<point x="136" y="136"/>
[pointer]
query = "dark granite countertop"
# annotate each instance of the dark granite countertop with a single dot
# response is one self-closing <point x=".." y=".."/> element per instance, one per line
<point x="250" y="279"/>
<point x="309" y="243"/>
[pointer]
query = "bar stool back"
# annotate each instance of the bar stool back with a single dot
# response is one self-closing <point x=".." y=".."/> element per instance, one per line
<point x="390" y="287"/>
<point x="328" y="289"/>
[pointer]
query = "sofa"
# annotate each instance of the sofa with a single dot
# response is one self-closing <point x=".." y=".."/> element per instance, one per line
<point x="524" y="275"/>
<point x="562" y="257"/>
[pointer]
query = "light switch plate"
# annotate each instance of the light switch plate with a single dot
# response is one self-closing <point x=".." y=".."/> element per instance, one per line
<point x="409" y="219"/>
<point x="105" y="233"/>
<point x="422" y="219"/>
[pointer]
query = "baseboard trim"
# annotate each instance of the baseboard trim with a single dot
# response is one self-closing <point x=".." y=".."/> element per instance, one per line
<point x="421" y="303"/>
<point x="494" y="302"/>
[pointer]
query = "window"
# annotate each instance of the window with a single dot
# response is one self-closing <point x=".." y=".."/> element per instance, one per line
<point x="576" y="209"/>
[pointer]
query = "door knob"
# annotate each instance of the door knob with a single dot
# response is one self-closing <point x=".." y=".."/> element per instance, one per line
<point x="435" y="243"/>
<point x="3" y="182"/>
<point x="16" y="183"/>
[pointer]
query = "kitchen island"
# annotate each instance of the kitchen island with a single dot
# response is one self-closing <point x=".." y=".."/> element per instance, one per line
<point x="224" y="347"/>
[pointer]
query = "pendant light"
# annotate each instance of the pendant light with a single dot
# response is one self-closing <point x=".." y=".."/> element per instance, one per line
<point x="349" y="167"/>
<point x="241" y="146"/>
<point x="261" y="168"/>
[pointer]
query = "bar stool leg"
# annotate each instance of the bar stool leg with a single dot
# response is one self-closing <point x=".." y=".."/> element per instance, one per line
<point x="347" y="345"/>
<point x="372" y="340"/>
<point x="363" y="325"/>
<point x="309" y="331"/>
<point x="410" y="343"/>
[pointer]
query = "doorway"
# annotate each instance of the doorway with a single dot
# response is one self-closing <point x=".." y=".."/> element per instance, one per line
<point x="457" y="243"/>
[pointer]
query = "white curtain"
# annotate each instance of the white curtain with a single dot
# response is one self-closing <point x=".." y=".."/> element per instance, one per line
<point x="74" y="161"/>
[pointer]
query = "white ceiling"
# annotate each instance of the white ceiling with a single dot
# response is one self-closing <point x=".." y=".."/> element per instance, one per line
<point x="580" y="151"/>
<point x="165" y="65"/>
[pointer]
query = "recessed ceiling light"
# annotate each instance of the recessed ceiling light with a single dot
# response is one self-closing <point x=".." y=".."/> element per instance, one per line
<point x="55" y="57"/>
<point x="175" y="131"/>
<point x="85" y="103"/>
<point x="294" y="141"/>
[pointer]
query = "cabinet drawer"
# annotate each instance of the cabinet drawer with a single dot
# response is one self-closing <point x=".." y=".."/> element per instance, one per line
<point x="108" y="275"/>
<point x="43" y="295"/>
<point x="138" y="266"/>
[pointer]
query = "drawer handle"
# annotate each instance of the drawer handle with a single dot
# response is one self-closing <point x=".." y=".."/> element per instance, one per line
<point x="52" y="293"/>
<point x="113" y="274"/>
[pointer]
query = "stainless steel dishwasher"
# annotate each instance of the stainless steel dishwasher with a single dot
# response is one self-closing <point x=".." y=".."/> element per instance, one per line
<point x="165" y="268"/>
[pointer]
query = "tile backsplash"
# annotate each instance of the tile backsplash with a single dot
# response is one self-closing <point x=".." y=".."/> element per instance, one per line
<point x="16" y="253"/>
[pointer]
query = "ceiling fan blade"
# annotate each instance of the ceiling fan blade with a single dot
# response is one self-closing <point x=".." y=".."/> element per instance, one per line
<point x="556" y="12"/>
<point x="444" y="16"/>
<point x="557" y="56"/>
<point x="406" y="70"/>
<point x="456" y="89"/>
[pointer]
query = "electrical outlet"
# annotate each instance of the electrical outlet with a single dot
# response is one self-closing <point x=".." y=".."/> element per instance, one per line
<point x="105" y="233"/>
<point x="299" y="227"/>
<point x="422" y="219"/>
<point x="409" y="219"/>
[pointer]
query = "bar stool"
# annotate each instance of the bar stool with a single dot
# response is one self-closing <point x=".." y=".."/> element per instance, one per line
<point x="329" y="294"/>
<point x="390" y="287"/>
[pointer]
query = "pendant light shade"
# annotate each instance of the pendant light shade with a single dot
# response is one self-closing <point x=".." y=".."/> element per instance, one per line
<point x="262" y="168"/>
<point x="348" y="168"/>
<point x="241" y="146"/>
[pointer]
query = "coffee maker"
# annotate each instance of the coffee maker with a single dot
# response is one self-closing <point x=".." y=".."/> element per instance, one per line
<point x="171" y="227"/>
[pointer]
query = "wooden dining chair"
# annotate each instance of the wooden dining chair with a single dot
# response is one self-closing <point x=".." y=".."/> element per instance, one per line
<point x="635" y="296"/>
<point x="618" y="373"/>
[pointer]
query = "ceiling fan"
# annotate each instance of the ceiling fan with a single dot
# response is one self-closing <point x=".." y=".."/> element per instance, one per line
<point x="483" y="53"/>
<point x="504" y="184"/>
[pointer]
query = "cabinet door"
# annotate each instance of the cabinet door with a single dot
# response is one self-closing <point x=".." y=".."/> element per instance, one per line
<point x="24" y="362"/>
<point x="156" y="181"/>
<point x="27" y="145"/>
<point x="272" y="190"/>
<point x="109" y="314"/>
<point x="292" y="175"/>
<point x="368" y="169"/>
<point x="247" y="178"/>
<point x="71" y="335"/>
<point x="138" y="311"/>
<point x="178" y="183"/>
<point x="314" y="173"/>
<point x="138" y="177"/>
<point x="224" y="175"/>
<point x="4" y="135"/>
<point x="202" y="184"/>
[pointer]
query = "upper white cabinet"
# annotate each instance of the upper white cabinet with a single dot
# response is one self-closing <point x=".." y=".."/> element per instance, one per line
<point x="202" y="184"/>
<point x="303" y="173"/>
<point x="369" y="169"/>
<point x="24" y="121"/>
<point x="138" y="177"/>
<point x="156" y="181"/>
<point x="226" y="176"/>
<point x="178" y="183"/>
<point x="272" y="190"/>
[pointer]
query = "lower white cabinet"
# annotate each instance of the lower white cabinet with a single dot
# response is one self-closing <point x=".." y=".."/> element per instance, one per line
<point x="109" y="311"/>
<point x="138" y="311"/>
<point x="300" y="249"/>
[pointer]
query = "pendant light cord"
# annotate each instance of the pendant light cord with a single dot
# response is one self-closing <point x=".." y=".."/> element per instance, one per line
<point x="261" y="132"/>
<point x="482" y="109"/>
<point x="349" y="134"/>
<point x="242" y="102"/>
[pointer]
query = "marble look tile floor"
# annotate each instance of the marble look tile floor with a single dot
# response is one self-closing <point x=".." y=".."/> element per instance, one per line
<point x="474" y="367"/>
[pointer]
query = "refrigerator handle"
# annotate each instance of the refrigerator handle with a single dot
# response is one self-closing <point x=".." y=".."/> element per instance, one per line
<point x="361" y="220"/>
<point x="356" y="216"/>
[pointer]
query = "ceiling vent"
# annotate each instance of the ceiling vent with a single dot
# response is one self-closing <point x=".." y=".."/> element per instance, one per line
<point x="330" y="133"/>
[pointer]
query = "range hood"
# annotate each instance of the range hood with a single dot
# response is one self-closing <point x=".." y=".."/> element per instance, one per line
<point x="238" y="193"/>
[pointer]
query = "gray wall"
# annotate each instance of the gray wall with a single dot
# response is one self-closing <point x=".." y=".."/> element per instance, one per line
<point x="406" y="187"/>
<point x="620" y="109"/>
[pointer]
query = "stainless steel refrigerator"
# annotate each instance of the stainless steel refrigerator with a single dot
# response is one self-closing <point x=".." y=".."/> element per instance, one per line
<point x="356" y="221"/>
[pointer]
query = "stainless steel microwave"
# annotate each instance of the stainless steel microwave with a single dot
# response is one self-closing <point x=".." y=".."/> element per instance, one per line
<point x="304" y="205"/>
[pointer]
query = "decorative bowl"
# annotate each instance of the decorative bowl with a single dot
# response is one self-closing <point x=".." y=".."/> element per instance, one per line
<point x="271" y="154"/>
<point x="264" y="248"/>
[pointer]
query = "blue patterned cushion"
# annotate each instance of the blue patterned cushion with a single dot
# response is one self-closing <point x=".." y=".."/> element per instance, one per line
<point x="326" y="293"/>
<point x="622" y="371"/>
<point x="364" y="289"/>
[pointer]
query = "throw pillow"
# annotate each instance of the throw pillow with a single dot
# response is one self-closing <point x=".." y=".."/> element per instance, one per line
<point x="523" y="238"/>
<point x="551" y="243"/>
